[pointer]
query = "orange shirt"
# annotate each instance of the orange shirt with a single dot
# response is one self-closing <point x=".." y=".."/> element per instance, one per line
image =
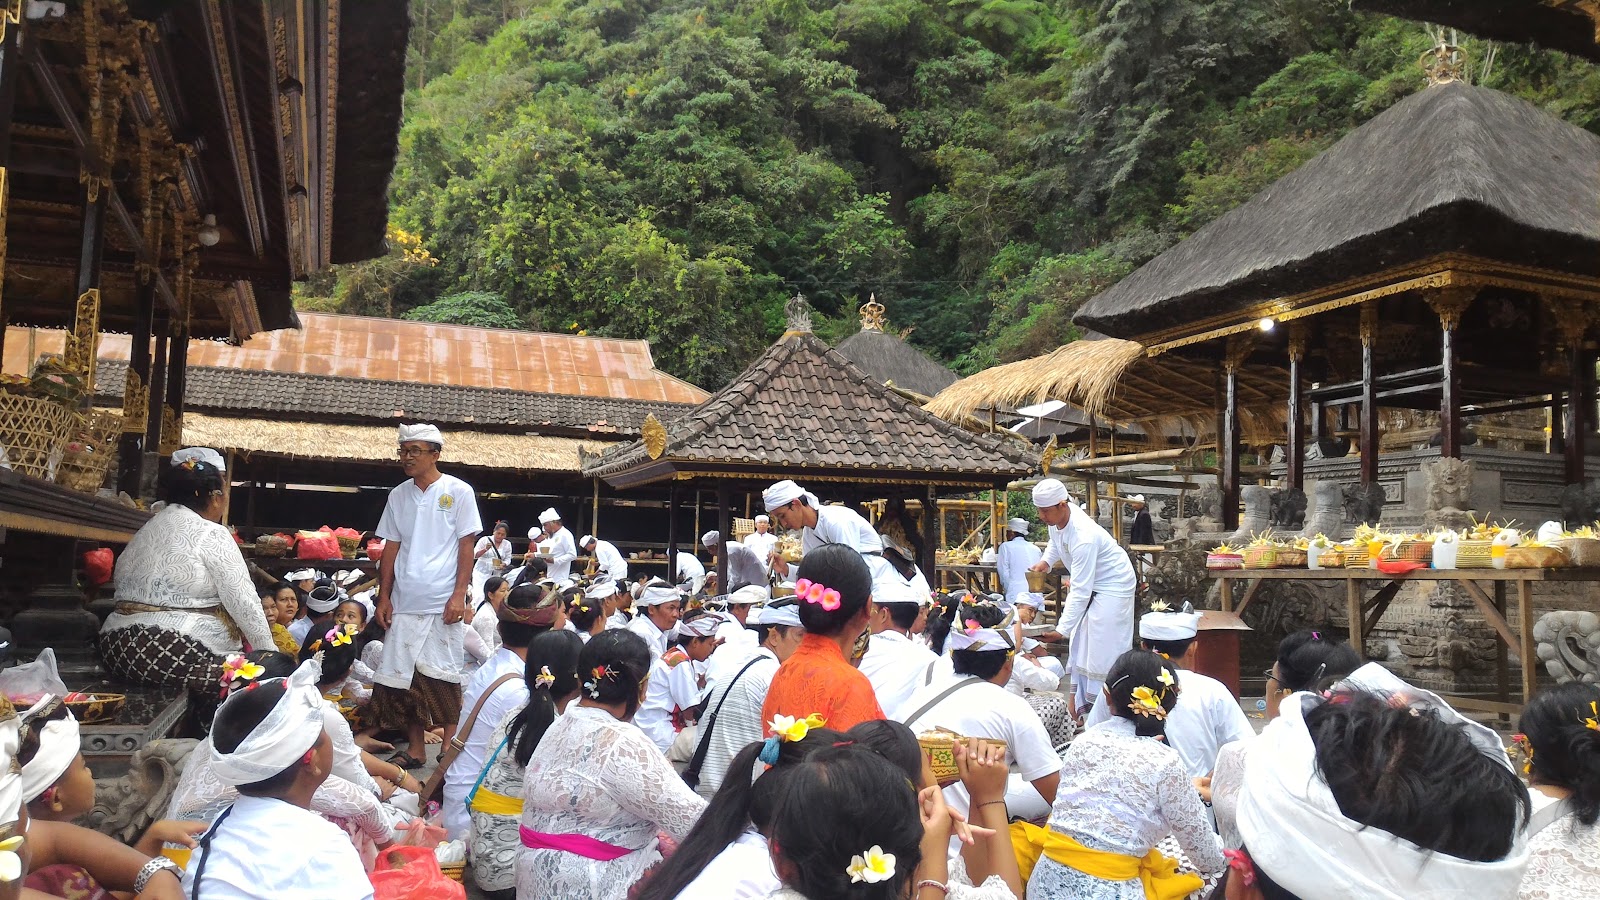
<point x="818" y="679"/>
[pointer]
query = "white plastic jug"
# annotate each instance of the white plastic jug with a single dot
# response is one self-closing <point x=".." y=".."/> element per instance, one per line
<point x="1314" y="557"/>
<point x="1444" y="554"/>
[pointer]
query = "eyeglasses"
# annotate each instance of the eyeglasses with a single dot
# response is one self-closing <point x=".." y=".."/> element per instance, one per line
<point x="405" y="452"/>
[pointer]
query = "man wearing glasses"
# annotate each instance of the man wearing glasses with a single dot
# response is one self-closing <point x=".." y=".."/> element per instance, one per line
<point x="429" y="526"/>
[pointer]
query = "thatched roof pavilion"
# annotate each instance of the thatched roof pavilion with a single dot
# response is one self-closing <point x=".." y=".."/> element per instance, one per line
<point x="890" y="359"/>
<point x="1572" y="26"/>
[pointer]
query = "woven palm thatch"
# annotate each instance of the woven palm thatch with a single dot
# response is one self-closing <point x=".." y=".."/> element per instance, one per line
<point x="1556" y="24"/>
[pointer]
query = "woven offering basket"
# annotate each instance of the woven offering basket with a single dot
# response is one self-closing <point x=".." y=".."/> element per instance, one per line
<point x="1291" y="558"/>
<point x="34" y="433"/>
<point x="1261" y="557"/>
<point x="1535" y="557"/>
<point x="1224" y="561"/>
<point x="85" y="469"/>
<point x="271" y="546"/>
<point x="1415" y="551"/>
<point x="941" y="746"/>
<point x="1581" y="551"/>
<point x="1358" y="556"/>
<point x="1473" y="554"/>
<point x="453" y="871"/>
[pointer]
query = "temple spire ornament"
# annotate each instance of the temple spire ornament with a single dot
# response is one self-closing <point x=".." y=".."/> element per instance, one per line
<point x="799" y="312"/>
<point x="872" y="315"/>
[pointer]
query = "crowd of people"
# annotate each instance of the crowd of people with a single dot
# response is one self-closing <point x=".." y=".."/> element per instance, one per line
<point x="606" y="738"/>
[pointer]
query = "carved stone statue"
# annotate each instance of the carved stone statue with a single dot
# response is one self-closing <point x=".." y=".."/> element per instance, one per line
<point x="124" y="807"/>
<point x="1257" y="516"/>
<point x="1569" y="645"/>
<point x="1208" y="503"/>
<point x="1288" y="508"/>
<point x="1327" y="511"/>
<point x="1363" y="503"/>
<point x="798" y="312"/>
<point x="1579" y="505"/>
<point x="1449" y="484"/>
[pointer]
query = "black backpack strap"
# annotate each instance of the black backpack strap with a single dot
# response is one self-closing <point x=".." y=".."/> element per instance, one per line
<point x="691" y="775"/>
<point x="970" y="679"/>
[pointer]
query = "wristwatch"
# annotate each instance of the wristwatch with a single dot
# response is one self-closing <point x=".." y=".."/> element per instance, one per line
<point x="149" y="869"/>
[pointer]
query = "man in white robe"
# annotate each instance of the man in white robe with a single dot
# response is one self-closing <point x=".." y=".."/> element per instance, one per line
<point x="795" y="507"/>
<point x="553" y="543"/>
<point x="608" y="560"/>
<point x="1097" y="617"/>
<point x="762" y="541"/>
<point x="744" y="567"/>
<point x="660" y="607"/>
<point x="895" y="664"/>
<point x="1015" y="557"/>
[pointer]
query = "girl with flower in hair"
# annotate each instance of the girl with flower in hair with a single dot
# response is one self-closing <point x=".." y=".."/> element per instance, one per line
<point x="834" y="590"/>
<point x="1561" y="728"/>
<point x="1122" y="791"/>
<point x="597" y="791"/>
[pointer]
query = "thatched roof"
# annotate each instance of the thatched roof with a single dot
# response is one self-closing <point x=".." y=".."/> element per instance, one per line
<point x="1556" y="24"/>
<point x="1453" y="168"/>
<point x="895" y="362"/>
<point x="375" y="444"/>
<point x="1116" y="381"/>
<point x="803" y="410"/>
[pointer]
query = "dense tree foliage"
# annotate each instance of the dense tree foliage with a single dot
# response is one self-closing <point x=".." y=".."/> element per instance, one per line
<point x="674" y="171"/>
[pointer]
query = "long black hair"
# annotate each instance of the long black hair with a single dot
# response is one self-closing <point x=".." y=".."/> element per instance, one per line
<point x="986" y="663"/>
<point x="191" y="484"/>
<point x="939" y="622"/>
<point x="1566" y="751"/>
<point x="555" y="652"/>
<point x="738" y="803"/>
<point x="842" y="569"/>
<point x="336" y="658"/>
<point x="1136" y="669"/>
<point x="612" y="666"/>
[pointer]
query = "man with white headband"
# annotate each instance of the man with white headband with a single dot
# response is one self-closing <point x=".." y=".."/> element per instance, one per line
<point x="738" y="643"/>
<point x="674" y="689"/>
<point x="733" y="705"/>
<point x="973" y="701"/>
<point x="795" y="507"/>
<point x="744" y="567"/>
<point x="608" y="560"/>
<point x="429" y="526"/>
<point x="268" y="741"/>
<point x="1383" y="792"/>
<point x="661" y="605"/>
<point x="552" y="543"/>
<point x="895" y="664"/>
<point x="621" y="602"/>
<point x="762" y="541"/>
<point x="1207" y="715"/>
<point x="1015" y="556"/>
<point x="1097" y="616"/>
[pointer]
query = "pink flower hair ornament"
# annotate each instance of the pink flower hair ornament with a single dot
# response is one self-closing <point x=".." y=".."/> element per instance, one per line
<point x="813" y="592"/>
<point x="1240" y="861"/>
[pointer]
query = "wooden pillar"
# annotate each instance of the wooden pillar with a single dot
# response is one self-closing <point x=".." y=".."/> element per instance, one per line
<point x="136" y="397"/>
<point x="160" y="326"/>
<point x="1449" y="303"/>
<point x="594" y="513"/>
<point x="1237" y="350"/>
<point x="1556" y="416"/>
<point x="1092" y="501"/>
<point x="177" y="380"/>
<point x="930" y="537"/>
<point x="1296" y="468"/>
<point x="725" y="529"/>
<point x="672" y="533"/>
<point x="10" y="74"/>
<point x="1369" y="395"/>
<point x="1574" y="419"/>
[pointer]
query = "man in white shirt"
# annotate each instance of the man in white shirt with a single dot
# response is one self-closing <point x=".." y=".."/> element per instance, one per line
<point x="689" y="571"/>
<point x="744" y="567"/>
<point x="762" y="541"/>
<point x="895" y="664"/>
<point x="552" y="543"/>
<point x="738" y="641"/>
<point x="1014" y="559"/>
<point x="660" y="605"/>
<point x="1097" y="616"/>
<point x="974" y="702"/>
<point x="608" y="559"/>
<point x="736" y="703"/>
<point x="529" y="611"/>
<point x="429" y="525"/>
<point x="795" y="507"/>
<point x="1207" y="715"/>
<point x="671" y="697"/>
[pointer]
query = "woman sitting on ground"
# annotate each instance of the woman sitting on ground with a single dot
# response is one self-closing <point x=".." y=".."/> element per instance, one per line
<point x="819" y="677"/>
<point x="597" y="791"/>
<point x="588" y="613"/>
<point x="268" y="742"/>
<point x="496" y="800"/>
<point x="184" y="596"/>
<point x="1562" y="730"/>
<point x="281" y="638"/>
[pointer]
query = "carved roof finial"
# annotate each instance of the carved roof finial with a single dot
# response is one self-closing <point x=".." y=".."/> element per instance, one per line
<point x="1444" y="63"/>
<point x="872" y="314"/>
<point x="799" y="313"/>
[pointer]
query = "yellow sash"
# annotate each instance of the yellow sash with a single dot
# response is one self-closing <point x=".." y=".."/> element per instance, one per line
<point x="1159" y="875"/>
<point x="487" y="801"/>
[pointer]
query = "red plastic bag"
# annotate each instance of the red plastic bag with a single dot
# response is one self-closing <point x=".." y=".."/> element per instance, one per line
<point x="375" y="549"/>
<point x="317" y="545"/>
<point x="349" y="533"/>
<point x="411" y="873"/>
<point x="97" y="566"/>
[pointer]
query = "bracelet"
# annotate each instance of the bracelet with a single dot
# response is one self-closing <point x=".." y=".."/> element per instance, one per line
<point x="149" y="869"/>
<point x="929" y="882"/>
<point x="1002" y="802"/>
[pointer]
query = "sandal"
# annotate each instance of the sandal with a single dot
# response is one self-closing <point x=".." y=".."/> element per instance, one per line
<point x="405" y="760"/>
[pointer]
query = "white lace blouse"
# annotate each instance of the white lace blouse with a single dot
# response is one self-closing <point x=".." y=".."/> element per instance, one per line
<point x="601" y="778"/>
<point x="960" y="886"/>
<point x="1123" y="793"/>
<point x="1563" y="858"/>
<point x="182" y="564"/>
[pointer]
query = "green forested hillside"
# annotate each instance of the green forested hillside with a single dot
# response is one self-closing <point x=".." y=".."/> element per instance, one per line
<point x="674" y="171"/>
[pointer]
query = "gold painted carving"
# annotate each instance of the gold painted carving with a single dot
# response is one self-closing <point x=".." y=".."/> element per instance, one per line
<point x="1443" y="64"/>
<point x="80" y="350"/>
<point x="1238" y="350"/>
<point x="1573" y="318"/>
<point x="1297" y="341"/>
<point x="230" y="98"/>
<point x="1369" y="325"/>
<point x="1047" y="456"/>
<point x="654" y="436"/>
<point x="10" y="14"/>
<point x="171" y="431"/>
<point x="135" y="404"/>
<point x="330" y="133"/>
<point x="1449" y="303"/>
<point x="872" y="313"/>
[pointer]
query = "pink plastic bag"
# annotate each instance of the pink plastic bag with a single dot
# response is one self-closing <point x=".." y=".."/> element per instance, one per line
<point x="412" y="873"/>
<point x="317" y="545"/>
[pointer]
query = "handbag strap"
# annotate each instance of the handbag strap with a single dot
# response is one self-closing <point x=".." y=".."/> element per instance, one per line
<point x="1547" y="816"/>
<point x="970" y="679"/>
<point x="459" y="742"/>
<point x="486" y="766"/>
<point x="691" y="775"/>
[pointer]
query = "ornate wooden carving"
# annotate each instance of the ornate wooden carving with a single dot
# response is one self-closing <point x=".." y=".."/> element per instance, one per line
<point x="1449" y="303"/>
<point x="872" y="315"/>
<point x="135" y="404"/>
<point x="654" y="435"/>
<point x="84" y="339"/>
<point x="1369" y="325"/>
<point x="171" y="431"/>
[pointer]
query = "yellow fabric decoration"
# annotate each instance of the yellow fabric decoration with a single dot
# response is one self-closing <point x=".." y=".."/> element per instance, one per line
<point x="487" y="801"/>
<point x="1158" y="874"/>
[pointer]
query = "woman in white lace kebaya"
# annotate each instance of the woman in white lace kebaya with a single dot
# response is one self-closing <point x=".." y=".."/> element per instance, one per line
<point x="597" y="790"/>
<point x="1562" y="730"/>
<point x="184" y="597"/>
<point x="1122" y="791"/>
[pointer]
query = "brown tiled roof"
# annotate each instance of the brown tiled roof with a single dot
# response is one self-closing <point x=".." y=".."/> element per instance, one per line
<point x="804" y="410"/>
<point x="427" y="353"/>
<point x="247" y="392"/>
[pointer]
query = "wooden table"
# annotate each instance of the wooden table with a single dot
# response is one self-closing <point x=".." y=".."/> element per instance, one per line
<point x="1364" y="612"/>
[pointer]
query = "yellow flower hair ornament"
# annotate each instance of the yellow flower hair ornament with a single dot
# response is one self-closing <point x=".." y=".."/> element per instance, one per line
<point x="338" y="637"/>
<point x="1147" y="702"/>
<point x="871" y="867"/>
<point x="544" y="679"/>
<point x="1521" y="750"/>
<point x="237" y="668"/>
<point x="1593" y="721"/>
<point x="10" y="860"/>
<point x="787" y="729"/>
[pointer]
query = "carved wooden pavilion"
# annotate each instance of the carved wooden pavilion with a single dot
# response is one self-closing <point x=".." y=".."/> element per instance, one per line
<point x="805" y="412"/>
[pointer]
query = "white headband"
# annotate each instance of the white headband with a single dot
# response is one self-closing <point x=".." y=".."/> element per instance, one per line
<point x="1035" y="600"/>
<point x="600" y="590"/>
<point x="788" y="614"/>
<point x="1020" y="526"/>
<point x="701" y="626"/>
<point x="58" y="747"/>
<point x="322" y="598"/>
<point x="984" y="639"/>
<point x="783" y="493"/>
<point x="200" y="454"/>
<point x="301" y="575"/>
<point x="289" y="730"/>
<point x="584" y="541"/>
<point x="750" y="593"/>
<point x="710" y="539"/>
<point x="421" y="432"/>
<point x="658" y="592"/>
<point x="763" y="518"/>
<point x="1049" y="492"/>
<point x="548" y="516"/>
<point x="1296" y="833"/>
<point x="1169" y="626"/>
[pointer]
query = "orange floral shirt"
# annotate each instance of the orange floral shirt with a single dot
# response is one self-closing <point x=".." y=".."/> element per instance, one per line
<point x="818" y="679"/>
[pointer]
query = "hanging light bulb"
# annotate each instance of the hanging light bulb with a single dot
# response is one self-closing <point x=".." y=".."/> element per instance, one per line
<point x="1266" y="324"/>
<point x="209" y="234"/>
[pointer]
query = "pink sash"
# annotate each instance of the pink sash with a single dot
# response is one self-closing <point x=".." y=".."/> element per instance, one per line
<point x="580" y="844"/>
